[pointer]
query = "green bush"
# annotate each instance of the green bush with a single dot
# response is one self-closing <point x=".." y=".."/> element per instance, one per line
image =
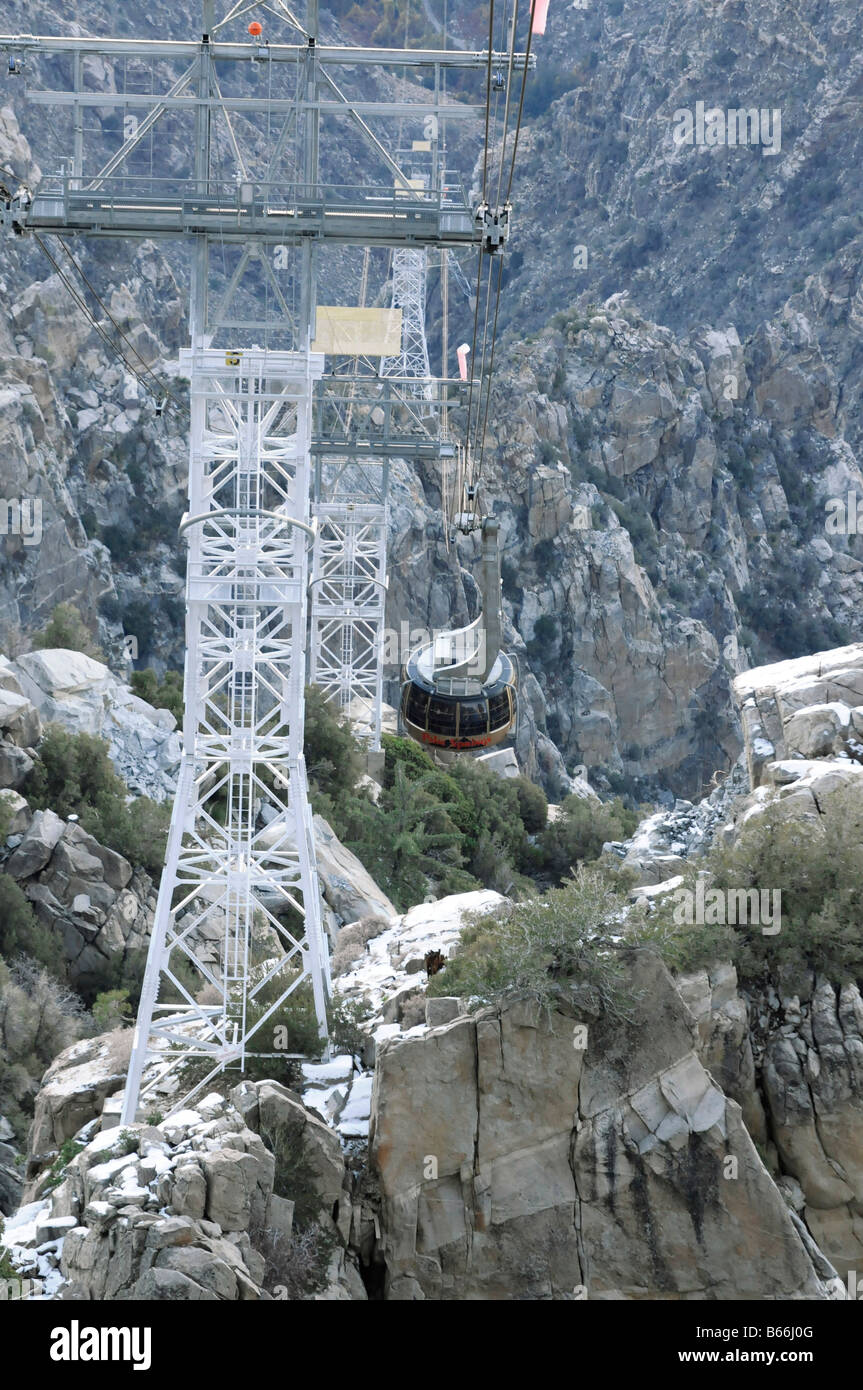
<point x="167" y="694"/>
<point x="38" y="1018"/>
<point x="21" y="932"/>
<point x="66" y="628"/>
<point x="403" y="750"/>
<point x="346" y="1017"/>
<point x="73" y="775"/>
<point x="69" y="1149"/>
<point x="580" y="831"/>
<point x="532" y="805"/>
<point x="819" y="872"/>
<point x="334" y="759"/>
<point x="570" y="934"/>
<point x="111" y="1010"/>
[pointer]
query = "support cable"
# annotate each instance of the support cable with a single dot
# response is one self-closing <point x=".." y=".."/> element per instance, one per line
<point x="115" y="349"/>
<point x="479" y="450"/>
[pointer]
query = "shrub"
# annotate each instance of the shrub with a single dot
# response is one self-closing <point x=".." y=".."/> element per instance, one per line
<point x="38" y="1019"/>
<point x="21" y="932"/>
<point x="69" y="1149"/>
<point x="528" y="948"/>
<point x="141" y="834"/>
<point x="419" y="837"/>
<point x="346" y="1017"/>
<point x="296" y="1267"/>
<point x="73" y="775"/>
<point x="415" y="760"/>
<point x="581" y="830"/>
<point x="334" y="760"/>
<point x="165" y="695"/>
<point x="819" y="872"/>
<point x="820" y="875"/>
<point x="66" y="628"/>
<point x="532" y="805"/>
<point x="111" y="1010"/>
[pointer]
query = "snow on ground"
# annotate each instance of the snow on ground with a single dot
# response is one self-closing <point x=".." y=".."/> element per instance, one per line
<point x="339" y="1090"/>
<point x="391" y="964"/>
<point x="393" y="960"/>
<point x="33" y="1257"/>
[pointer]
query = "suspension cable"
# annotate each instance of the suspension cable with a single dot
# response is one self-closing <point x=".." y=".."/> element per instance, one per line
<point x="111" y="343"/>
<point x="485" y="381"/>
<point x="100" y="301"/>
<point x="487" y="97"/>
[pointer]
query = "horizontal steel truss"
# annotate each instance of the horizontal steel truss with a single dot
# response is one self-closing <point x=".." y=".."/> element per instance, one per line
<point x="286" y="214"/>
<point x="365" y="417"/>
<point x="230" y="878"/>
<point x="348" y="609"/>
<point x="326" y="54"/>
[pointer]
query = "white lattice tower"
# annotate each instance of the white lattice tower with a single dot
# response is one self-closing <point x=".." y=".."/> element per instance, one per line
<point x="409" y="295"/>
<point x="348" y="609"/>
<point x="226" y="871"/>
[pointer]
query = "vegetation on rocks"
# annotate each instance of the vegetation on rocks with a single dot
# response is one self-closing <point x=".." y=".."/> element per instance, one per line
<point x="38" y="1019"/>
<point x="164" y="694"/>
<point x="819" y="872"/>
<point x="73" y="775"/>
<point x="570" y="936"/>
<point x="447" y="830"/>
<point x="66" y="628"/>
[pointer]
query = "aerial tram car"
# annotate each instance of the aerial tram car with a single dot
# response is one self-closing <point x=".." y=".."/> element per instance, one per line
<point x="459" y="690"/>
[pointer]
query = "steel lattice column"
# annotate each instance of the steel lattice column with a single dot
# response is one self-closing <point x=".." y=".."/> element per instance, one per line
<point x="348" y="605"/>
<point x="226" y="871"/>
<point x="409" y="295"/>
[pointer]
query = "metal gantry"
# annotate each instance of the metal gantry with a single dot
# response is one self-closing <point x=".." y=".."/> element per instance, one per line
<point x="288" y="461"/>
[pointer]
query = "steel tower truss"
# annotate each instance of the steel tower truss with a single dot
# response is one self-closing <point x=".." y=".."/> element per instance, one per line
<point x="268" y="430"/>
<point x="249" y="538"/>
<point x="409" y="295"/>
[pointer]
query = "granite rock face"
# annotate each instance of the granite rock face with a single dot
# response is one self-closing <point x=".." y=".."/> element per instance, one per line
<point x="619" y="1168"/>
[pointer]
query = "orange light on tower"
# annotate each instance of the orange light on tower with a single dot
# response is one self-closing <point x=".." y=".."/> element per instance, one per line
<point x="256" y="29"/>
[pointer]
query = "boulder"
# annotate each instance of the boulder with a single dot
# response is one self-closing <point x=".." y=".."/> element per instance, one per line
<point x="73" y="1090"/>
<point x="15" y="764"/>
<point x="19" y="719"/>
<point x="37" y="846"/>
<point x="288" y="1127"/>
<point x="800" y="708"/>
<point x="348" y="888"/>
<point x="14" y="814"/>
<point x="83" y="695"/>
<point x="189" y="1191"/>
<point x="238" y="1187"/>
